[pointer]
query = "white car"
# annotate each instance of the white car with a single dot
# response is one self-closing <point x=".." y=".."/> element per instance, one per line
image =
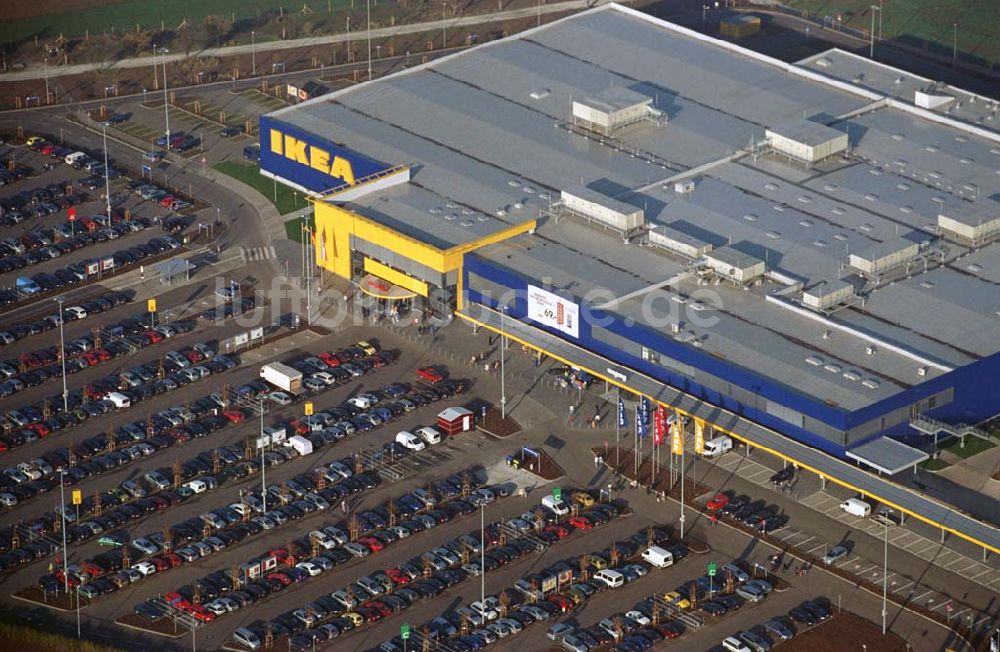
<point x="638" y="617"/>
<point x="363" y="401"/>
<point x="144" y="567"/>
<point x="145" y="546"/>
<point x="484" y="610"/>
<point x="408" y="440"/>
<point x="323" y="539"/>
<point x="76" y="312"/>
<point x="324" y="377"/>
<point x="309" y="567"/>
<point x="430" y="435"/>
<point x="280" y="398"/>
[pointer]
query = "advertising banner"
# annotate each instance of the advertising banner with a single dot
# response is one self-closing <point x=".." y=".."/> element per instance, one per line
<point x="660" y="425"/>
<point x="553" y="311"/>
<point x="622" y="417"/>
<point x="699" y="436"/>
<point x="677" y="447"/>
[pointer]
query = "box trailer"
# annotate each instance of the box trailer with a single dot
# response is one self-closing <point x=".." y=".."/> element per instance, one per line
<point x="856" y="507"/>
<point x="282" y="376"/>
<point x="301" y="445"/>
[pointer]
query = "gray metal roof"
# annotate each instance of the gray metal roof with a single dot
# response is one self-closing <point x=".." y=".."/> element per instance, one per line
<point x="974" y="213"/>
<point x="731" y="256"/>
<point x="828" y="287"/>
<point x="884" y="490"/>
<point x="888" y="455"/>
<point x="615" y="98"/>
<point x="489" y="131"/>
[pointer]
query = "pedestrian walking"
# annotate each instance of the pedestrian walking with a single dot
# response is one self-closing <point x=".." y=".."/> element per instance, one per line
<point x="343" y="507"/>
<point x="714" y="520"/>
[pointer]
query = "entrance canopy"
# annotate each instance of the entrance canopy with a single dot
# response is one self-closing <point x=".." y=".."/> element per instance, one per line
<point x="174" y="270"/>
<point x="887" y="455"/>
<point x="381" y="289"/>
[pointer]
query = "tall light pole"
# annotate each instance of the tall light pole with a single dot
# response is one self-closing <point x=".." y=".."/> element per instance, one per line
<point x="62" y="500"/>
<point x="482" y="553"/>
<point x="885" y="574"/>
<point x="107" y="177"/>
<point x="253" y="53"/>
<point x="156" y="75"/>
<point x="46" y="62"/>
<point x="871" y="52"/>
<point x="166" y="105"/>
<point x="880" y="20"/>
<point x="680" y="425"/>
<point x="349" y="39"/>
<point x="369" y="40"/>
<point x="503" y="354"/>
<point x="704" y="10"/>
<point x="954" y="41"/>
<point x="263" y="480"/>
<point x="62" y="355"/>
<point x="444" y="27"/>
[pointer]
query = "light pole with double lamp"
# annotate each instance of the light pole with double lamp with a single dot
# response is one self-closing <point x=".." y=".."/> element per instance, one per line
<point x="503" y="354"/>
<point x="62" y="501"/>
<point x="62" y="354"/>
<point x="263" y="480"/>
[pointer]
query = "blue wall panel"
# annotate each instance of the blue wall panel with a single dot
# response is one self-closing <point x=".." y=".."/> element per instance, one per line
<point x="320" y="153"/>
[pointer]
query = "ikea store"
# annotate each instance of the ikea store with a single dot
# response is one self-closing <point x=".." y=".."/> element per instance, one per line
<point x="802" y="254"/>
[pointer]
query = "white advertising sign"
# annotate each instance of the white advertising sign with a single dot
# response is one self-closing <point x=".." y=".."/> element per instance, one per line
<point x="553" y="311"/>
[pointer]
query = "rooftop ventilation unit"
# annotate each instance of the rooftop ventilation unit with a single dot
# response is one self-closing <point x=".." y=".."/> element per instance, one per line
<point x="734" y="265"/>
<point x="613" y="109"/>
<point x="807" y="141"/>
<point x="884" y="256"/>
<point x="606" y="211"/>
<point x="676" y="241"/>
<point x="970" y="221"/>
<point x="684" y="187"/>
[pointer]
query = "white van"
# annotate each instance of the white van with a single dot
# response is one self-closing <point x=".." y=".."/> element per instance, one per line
<point x="408" y="440"/>
<point x="856" y="507"/>
<point x="430" y="435"/>
<point x="658" y="557"/>
<point x="611" y="578"/>
<point x="72" y="159"/>
<point x="119" y="400"/>
<point x="558" y="506"/>
<point x="717" y="446"/>
<point x="197" y="486"/>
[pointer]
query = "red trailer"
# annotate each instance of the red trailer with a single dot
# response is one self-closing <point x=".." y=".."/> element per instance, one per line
<point x="455" y="420"/>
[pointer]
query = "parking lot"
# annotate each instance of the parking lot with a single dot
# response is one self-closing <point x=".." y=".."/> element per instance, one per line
<point x="190" y="421"/>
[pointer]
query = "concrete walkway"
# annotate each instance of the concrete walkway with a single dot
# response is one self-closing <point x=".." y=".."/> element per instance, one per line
<point x="35" y="71"/>
<point x="975" y="472"/>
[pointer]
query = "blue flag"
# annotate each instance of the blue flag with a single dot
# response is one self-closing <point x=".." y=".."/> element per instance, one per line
<point x="641" y="427"/>
<point x="644" y="408"/>
<point x="622" y="417"/>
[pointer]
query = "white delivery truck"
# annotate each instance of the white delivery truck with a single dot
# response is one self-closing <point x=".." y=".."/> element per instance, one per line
<point x="75" y="158"/>
<point x="301" y="445"/>
<point x="856" y="507"/>
<point x="718" y="446"/>
<point x="658" y="557"/>
<point x="282" y="376"/>
<point x="276" y="434"/>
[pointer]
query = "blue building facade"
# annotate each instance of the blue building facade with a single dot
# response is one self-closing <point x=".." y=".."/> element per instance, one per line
<point x="964" y="395"/>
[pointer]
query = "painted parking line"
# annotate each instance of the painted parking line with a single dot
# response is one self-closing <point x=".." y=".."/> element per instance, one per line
<point x="980" y="574"/>
<point x="922" y="596"/>
<point x="818" y="546"/>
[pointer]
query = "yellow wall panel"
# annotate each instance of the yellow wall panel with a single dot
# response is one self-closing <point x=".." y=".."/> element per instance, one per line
<point x="387" y="273"/>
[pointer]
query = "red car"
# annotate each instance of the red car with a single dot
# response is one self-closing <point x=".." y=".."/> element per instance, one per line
<point x="202" y="614"/>
<point x="581" y="523"/>
<point x="558" y="530"/>
<point x="234" y="416"/>
<point x="564" y="604"/>
<point x="669" y="630"/>
<point x="372" y="544"/>
<point x="430" y="374"/>
<point x="173" y="559"/>
<point x="719" y="501"/>
<point x="193" y="356"/>
<point x="397" y="576"/>
<point x="160" y="563"/>
<point x="166" y="201"/>
<point x="280" y="577"/>
<point x="102" y="354"/>
<point x="154" y="336"/>
<point x="39" y="429"/>
<point x="378" y="606"/>
<point x="298" y="427"/>
<point x="329" y="359"/>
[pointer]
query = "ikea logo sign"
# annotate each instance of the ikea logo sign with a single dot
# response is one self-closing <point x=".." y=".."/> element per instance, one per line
<point x="313" y="156"/>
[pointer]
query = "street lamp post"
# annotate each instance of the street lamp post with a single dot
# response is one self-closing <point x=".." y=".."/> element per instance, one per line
<point x="107" y="177"/>
<point x="62" y="355"/>
<point x="253" y="53"/>
<point x="369" y="40"/>
<point x="349" y="57"/>
<point x="62" y="500"/>
<point x="954" y="41"/>
<point x="482" y="552"/>
<point x="885" y="575"/>
<point x="46" y="62"/>
<point x="704" y="11"/>
<point x="166" y="105"/>
<point x="503" y="354"/>
<point x="263" y="479"/>
<point x="871" y="52"/>
<point x="444" y="26"/>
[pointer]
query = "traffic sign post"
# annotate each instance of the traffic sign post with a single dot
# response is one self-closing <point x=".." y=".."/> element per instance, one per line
<point x="557" y="493"/>
<point x="151" y="309"/>
<point x="71" y="216"/>
<point x="404" y="633"/>
<point x="309" y="409"/>
<point x="712" y="569"/>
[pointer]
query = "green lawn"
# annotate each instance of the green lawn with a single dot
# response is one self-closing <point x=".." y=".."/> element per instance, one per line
<point x="293" y="227"/>
<point x="284" y="198"/>
<point x="973" y="446"/>
<point x="933" y="465"/>
<point x="149" y="14"/>
<point x="916" y="22"/>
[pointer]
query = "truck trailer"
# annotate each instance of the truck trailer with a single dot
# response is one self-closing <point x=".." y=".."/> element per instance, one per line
<point x="282" y="376"/>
